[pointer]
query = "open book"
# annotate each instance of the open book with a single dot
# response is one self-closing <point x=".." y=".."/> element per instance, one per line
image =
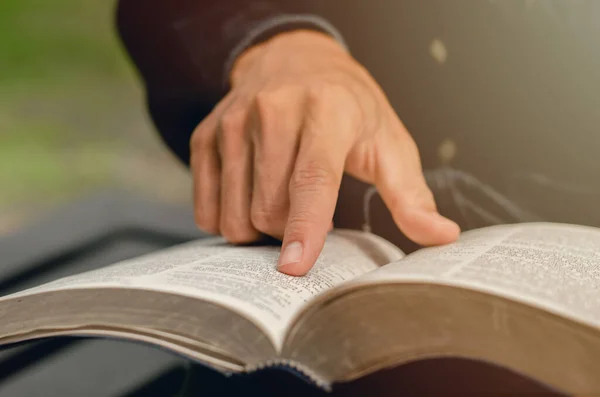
<point x="525" y="297"/>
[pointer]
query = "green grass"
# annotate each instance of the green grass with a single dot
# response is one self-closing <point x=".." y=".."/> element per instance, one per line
<point x="58" y="42"/>
<point x="39" y="163"/>
<point x="70" y="104"/>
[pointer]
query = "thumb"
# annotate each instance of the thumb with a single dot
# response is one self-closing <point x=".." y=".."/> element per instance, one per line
<point x="403" y="188"/>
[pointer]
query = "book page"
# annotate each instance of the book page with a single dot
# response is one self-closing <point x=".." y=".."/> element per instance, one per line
<point x="553" y="266"/>
<point x="242" y="278"/>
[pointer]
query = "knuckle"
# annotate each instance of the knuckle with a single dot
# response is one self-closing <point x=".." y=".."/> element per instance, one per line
<point x="300" y="222"/>
<point x="236" y="230"/>
<point x="402" y="202"/>
<point x="273" y="98"/>
<point x="397" y="203"/>
<point x="335" y="99"/>
<point x="202" y="140"/>
<point x="263" y="219"/>
<point x="231" y="137"/>
<point x="324" y="92"/>
<point x="233" y="120"/>
<point x="269" y="105"/>
<point x="313" y="175"/>
<point x="267" y="100"/>
<point x="423" y="198"/>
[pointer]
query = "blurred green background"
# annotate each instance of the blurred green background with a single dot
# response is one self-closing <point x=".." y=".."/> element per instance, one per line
<point x="72" y="115"/>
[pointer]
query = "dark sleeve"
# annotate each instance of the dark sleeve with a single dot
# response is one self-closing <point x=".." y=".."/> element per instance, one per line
<point x="183" y="50"/>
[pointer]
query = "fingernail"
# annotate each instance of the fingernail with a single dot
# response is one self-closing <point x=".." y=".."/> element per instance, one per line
<point x="449" y="223"/>
<point x="450" y="227"/>
<point x="290" y="255"/>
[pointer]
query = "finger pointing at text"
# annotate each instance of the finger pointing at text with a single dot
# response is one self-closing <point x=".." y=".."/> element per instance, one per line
<point x="270" y="157"/>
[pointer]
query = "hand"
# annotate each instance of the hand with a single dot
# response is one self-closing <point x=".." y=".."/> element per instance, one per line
<point x="270" y="157"/>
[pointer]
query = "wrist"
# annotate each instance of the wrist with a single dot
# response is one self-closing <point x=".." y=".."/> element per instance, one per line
<point x="297" y="42"/>
<point x="307" y="39"/>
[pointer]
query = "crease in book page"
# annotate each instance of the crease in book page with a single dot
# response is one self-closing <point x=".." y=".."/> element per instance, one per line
<point x="241" y="278"/>
<point x="552" y="266"/>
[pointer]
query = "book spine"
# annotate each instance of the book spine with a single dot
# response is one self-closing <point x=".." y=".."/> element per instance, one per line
<point x="295" y="368"/>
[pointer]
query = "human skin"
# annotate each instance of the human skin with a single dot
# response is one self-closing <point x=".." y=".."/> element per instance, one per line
<point x="269" y="158"/>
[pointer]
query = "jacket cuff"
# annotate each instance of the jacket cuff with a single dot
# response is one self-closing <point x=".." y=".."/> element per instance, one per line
<point x="275" y="25"/>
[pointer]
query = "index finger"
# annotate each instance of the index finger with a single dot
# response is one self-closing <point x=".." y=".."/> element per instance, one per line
<point x="314" y="186"/>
